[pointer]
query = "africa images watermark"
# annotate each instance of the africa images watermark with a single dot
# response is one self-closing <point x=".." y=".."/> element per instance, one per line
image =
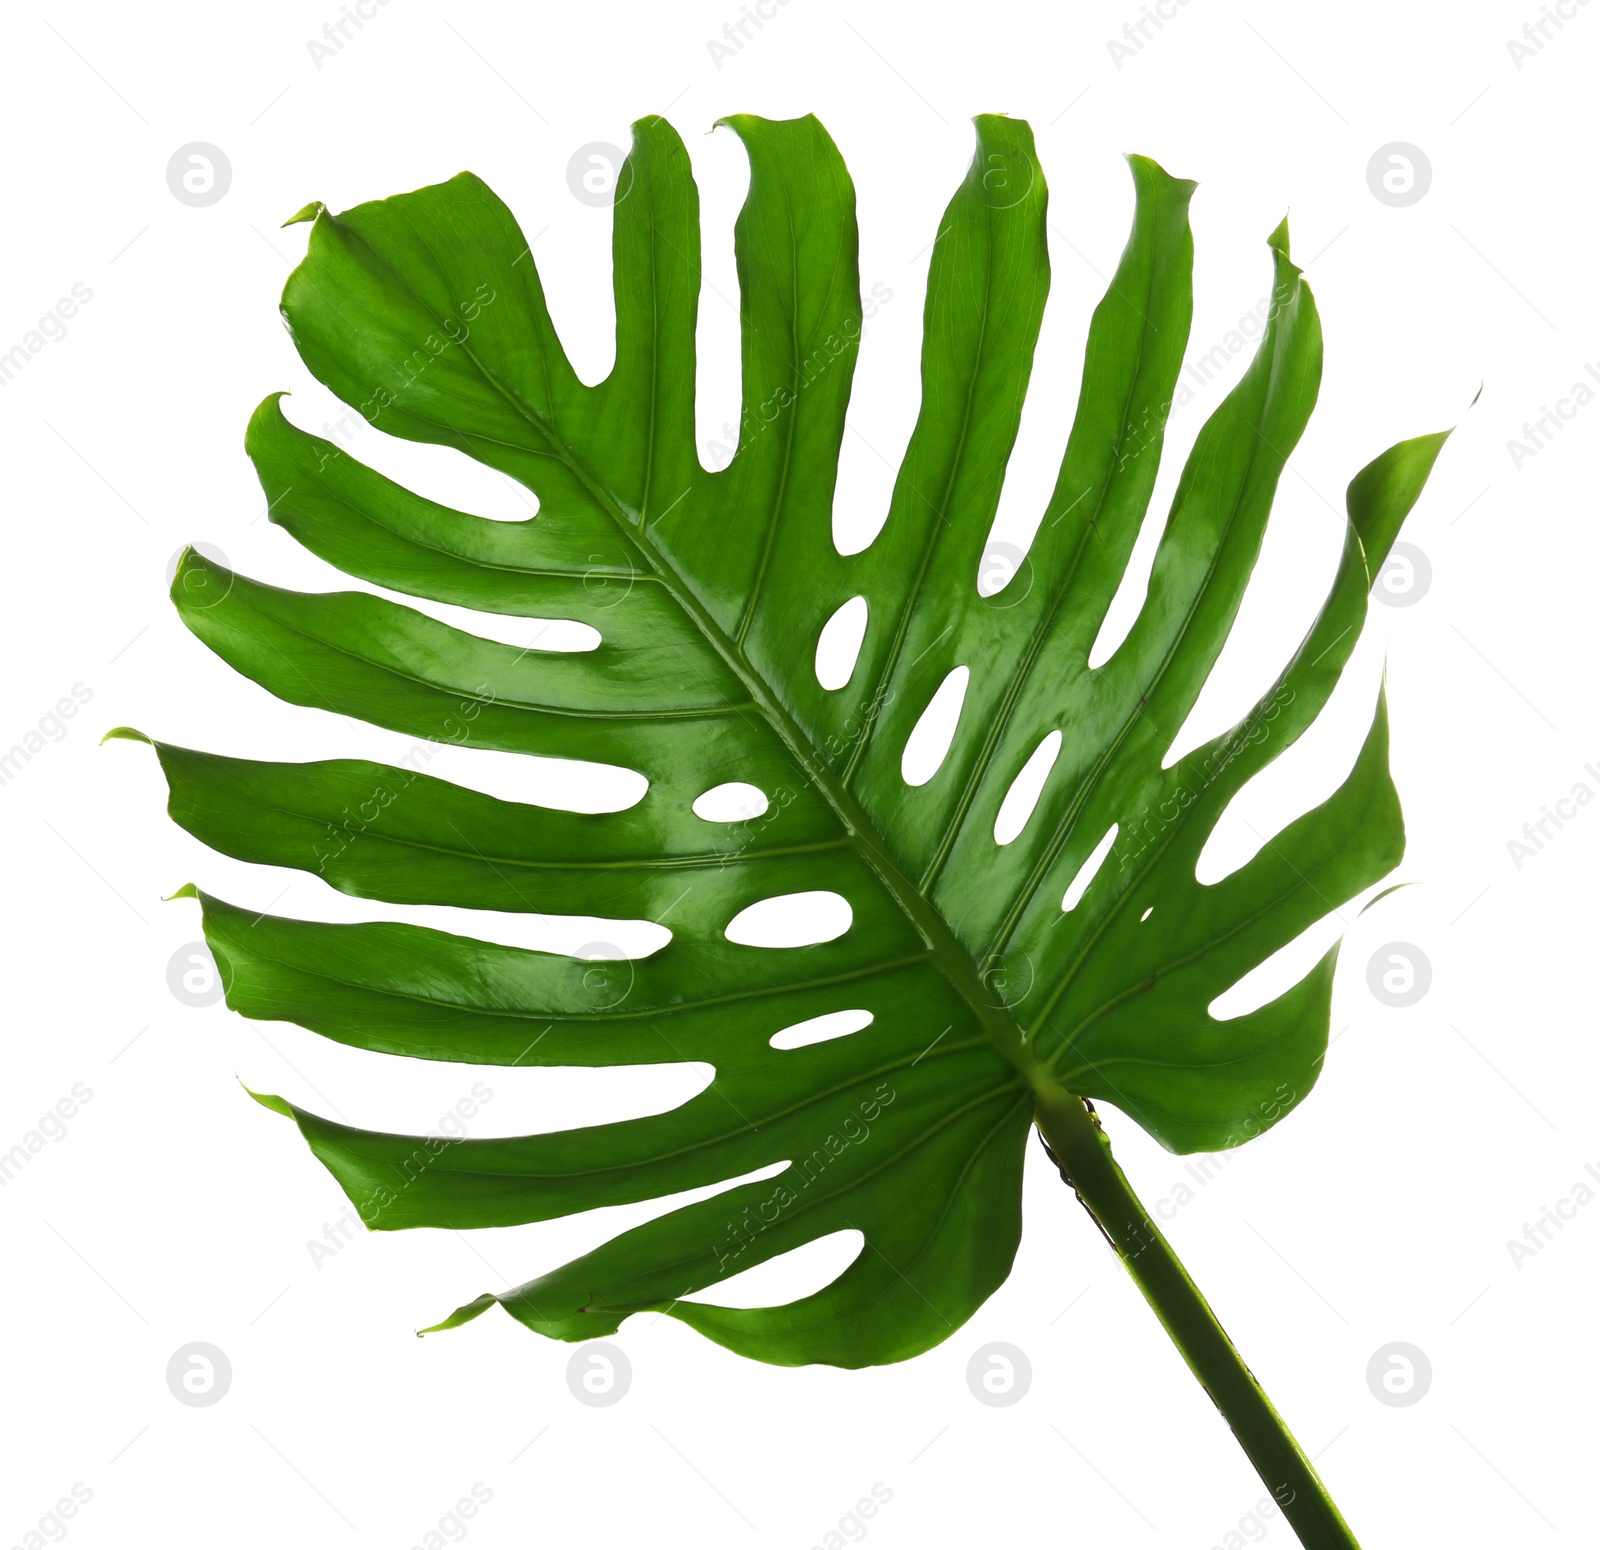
<point x="1142" y="831"/>
<point x="1538" y="434"/>
<point x="1252" y="1528"/>
<point x="736" y="33"/>
<point x="852" y="1528"/>
<point x="353" y="825"/>
<point x="54" y="1525"/>
<point x="718" y="453"/>
<point x="407" y="1170"/>
<point x="804" y="1171"/>
<point x="50" y="329"/>
<point x="50" y="1126"/>
<point x="1138" y="32"/>
<point x="1541" y="1231"/>
<point x="50" y="728"/>
<point x="337" y="33"/>
<point x="457" y="330"/>
<point x="1199" y="372"/>
<point x="1268" y="1111"/>
<point x="1538" y="32"/>
<point x="1537" y="832"/>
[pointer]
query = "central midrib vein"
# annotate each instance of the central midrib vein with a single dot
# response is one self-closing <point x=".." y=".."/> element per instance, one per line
<point x="953" y="960"/>
<point x="1003" y="1030"/>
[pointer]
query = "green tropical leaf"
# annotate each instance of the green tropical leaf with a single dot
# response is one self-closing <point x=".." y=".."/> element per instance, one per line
<point x="991" y="1004"/>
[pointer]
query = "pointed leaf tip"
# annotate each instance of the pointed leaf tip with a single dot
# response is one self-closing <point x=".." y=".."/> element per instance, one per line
<point x="193" y="578"/>
<point x="463" y="1315"/>
<point x="1384" y="894"/>
<point x="188" y="891"/>
<point x="125" y="734"/>
<point x="271" y="1101"/>
<point x="306" y="213"/>
<point x="262" y="419"/>
<point x="1148" y="165"/>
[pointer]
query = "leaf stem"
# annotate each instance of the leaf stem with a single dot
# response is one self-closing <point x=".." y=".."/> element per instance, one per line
<point x="1082" y="1151"/>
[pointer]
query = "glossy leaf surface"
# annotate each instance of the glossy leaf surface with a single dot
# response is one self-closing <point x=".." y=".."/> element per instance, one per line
<point x="708" y="590"/>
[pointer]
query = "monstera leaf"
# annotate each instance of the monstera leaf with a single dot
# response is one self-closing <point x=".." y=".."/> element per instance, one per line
<point x="996" y="999"/>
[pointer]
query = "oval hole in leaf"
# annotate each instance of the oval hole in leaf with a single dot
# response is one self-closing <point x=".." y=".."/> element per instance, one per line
<point x="839" y="644"/>
<point x="510" y="629"/>
<point x="999" y="564"/>
<point x="451" y="1099"/>
<point x="1132" y="592"/>
<point x="1300" y="777"/>
<point x="817" y="1030"/>
<point x="1278" y="972"/>
<point x="788" y="1277"/>
<point x="596" y="940"/>
<point x="442" y="474"/>
<point x="730" y="802"/>
<point x="1086" y="873"/>
<point x="625" y="1217"/>
<point x="576" y="785"/>
<point x="791" y="920"/>
<point x="1026" y="789"/>
<point x="528" y="1100"/>
<point x="722" y="176"/>
<point x="935" y="730"/>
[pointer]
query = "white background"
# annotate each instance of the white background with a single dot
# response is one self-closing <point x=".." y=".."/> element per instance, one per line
<point x="174" y="1210"/>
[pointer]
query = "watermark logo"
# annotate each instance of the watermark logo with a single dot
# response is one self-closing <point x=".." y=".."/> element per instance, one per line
<point x="1399" y="974"/>
<point x="998" y="568"/>
<point x="199" y="1374"/>
<point x="598" y="174"/>
<point x="1006" y="183"/>
<point x="599" y="1374"/>
<point x="192" y="975"/>
<point x="201" y="588"/>
<point x="1399" y="174"/>
<point x="1399" y="1374"/>
<point x="1007" y="978"/>
<point x="607" y="976"/>
<point x="1405" y="577"/>
<point x="999" y="1374"/>
<point x="199" y="174"/>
